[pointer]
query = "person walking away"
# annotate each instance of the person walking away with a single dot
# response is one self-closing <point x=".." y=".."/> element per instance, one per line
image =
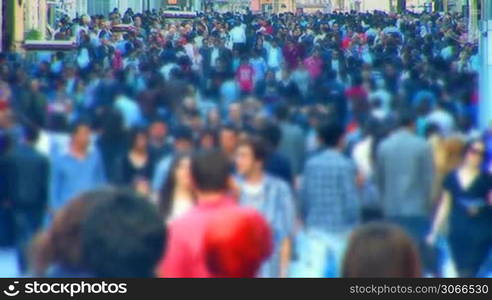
<point x="404" y="174"/>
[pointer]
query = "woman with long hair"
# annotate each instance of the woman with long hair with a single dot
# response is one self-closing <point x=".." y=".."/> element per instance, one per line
<point x="467" y="204"/>
<point x="176" y="196"/>
<point x="138" y="165"/>
<point x="112" y="143"/>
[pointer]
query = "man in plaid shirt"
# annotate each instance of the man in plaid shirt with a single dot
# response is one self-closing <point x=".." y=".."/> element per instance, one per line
<point x="329" y="197"/>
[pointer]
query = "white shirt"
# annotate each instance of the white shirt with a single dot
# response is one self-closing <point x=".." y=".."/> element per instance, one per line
<point x="274" y="58"/>
<point x="213" y="56"/>
<point x="179" y="208"/>
<point x="362" y="156"/>
<point x="238" y="35"/>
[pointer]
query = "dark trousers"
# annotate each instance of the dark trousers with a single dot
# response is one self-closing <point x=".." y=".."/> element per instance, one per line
<point x="239" y="47"/>
<point x="470" y="246"/>
<point x="6" y="227"/>
<point x="418" y="228"/>
<point x="26" y="225"/>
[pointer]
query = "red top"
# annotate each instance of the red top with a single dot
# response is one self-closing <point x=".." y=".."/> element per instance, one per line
<point x="245" y="75"/>
<point x="185" y="254"/>
<point x="4" y="105"/>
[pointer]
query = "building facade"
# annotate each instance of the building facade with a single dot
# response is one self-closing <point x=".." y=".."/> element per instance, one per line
<point x="278" y="6"/>
<point x="36" y="17"/>
<point x="13" y="15"/>
<point x="313" y="6"/>
<point x="3" y="25"/>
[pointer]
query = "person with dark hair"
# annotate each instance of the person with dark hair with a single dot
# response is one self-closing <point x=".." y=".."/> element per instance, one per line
<point x="208" y="139"/>
<point x="228" y="139"/>
<point x="272" y="197"/>
<point x="29" y="189"/>
<point x="176" y="196"/>
<point x="137" y="166"/>
<point x="112" y="143"/>
<point x="381" y="250"/>
<point x="245" y="75"/>
<point x="77" y="169"/>
<point x="123" y="224"/>
<point x="185" y="256"/>
<point x="404" y="175"/>
<point x="183" y="143"/>
<point x="364" y="155"/>
<point x="276" y="163"/>
<point x="159" y="143"/>
<point x="237" y="243"/>
<point x="329" y="196"/>
<point x="467" y="204"/>
<point x="292" y="141"/>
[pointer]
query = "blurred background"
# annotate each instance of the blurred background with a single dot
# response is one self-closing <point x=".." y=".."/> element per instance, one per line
<point x="333" y="114"/>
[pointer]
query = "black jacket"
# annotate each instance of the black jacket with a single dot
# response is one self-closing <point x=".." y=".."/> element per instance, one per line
<point x="29" y="177"/>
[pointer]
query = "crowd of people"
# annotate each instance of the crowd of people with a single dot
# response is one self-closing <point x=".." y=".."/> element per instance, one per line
<point x="237" y="136"/>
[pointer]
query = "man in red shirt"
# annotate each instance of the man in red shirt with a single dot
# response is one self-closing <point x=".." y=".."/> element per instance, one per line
<point x="185" y="254"/>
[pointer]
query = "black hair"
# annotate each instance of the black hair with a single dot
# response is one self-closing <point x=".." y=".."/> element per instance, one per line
<point x="271" y="134"/>
<point x="58" y="122"/>
<point x="230" y="127"/>
<point x="406" y="118"/>
<point x="210" y="170"/>
<point x="258" y="147"/>
<point x="122" y="236"/>
<point x="330" y="133"/>
<point x="183" y="133"/>
<point x="112" y="126"/>
<point x="167" y="191"/>
<point x="212" y="132"/>
<point x="76" y="126"/>
<point x="134" y="134"/>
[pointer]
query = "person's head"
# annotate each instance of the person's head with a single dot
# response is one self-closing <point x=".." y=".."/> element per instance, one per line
<point x="208" y="139"/>
<point x="61" y="244"/>
<point x="81" y="135"/>
<point x="271" y="134"/>
<point x="139" y="140"/>
<point x="407" y="120"/>
<point x="158" y="130"/>
<point x="236" y="242"/>
<point x="228" y="138"/>
<point x="122" y="236"/>
<point x="210" y="171"/>
<point x="235" y="112"/>
<point x="183" y="139"/>
<point x="381" y="250"/>
<point x="112" y="126"/>
<point x="331" y="134"/>
<point x="473" y="155"/>
<point x="250" y="156"/>
<point x="179" y="177"/>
